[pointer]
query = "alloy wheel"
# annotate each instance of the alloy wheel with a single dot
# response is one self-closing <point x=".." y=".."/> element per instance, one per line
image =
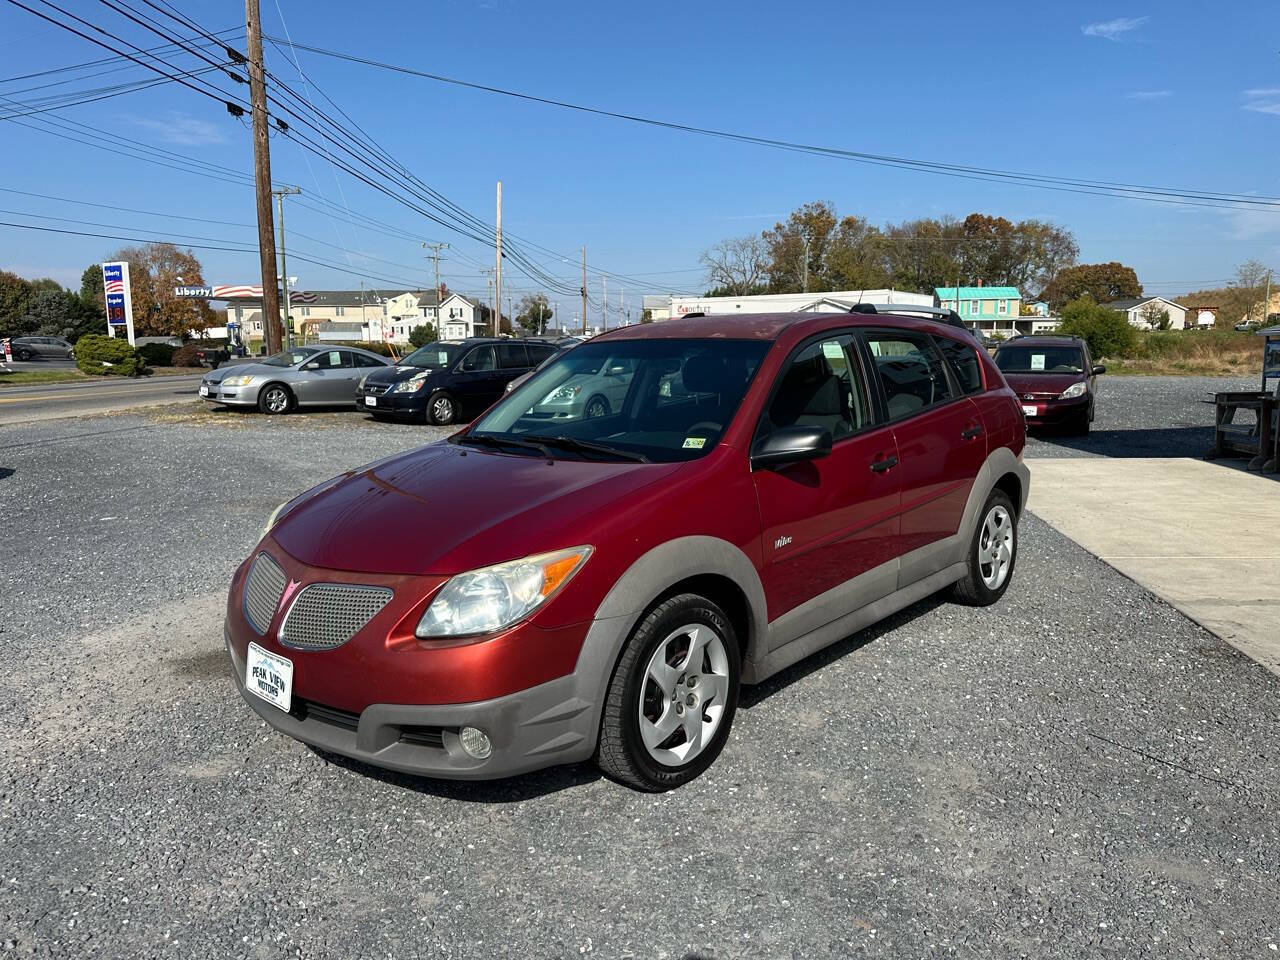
<point x="596" y="408"/>
<point x="442" y="410"/>
<point x="683" y="694"/>
<point x="995" y="547"/>
<point x="277" y="400"/>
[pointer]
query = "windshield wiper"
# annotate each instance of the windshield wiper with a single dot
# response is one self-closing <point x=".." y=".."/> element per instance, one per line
<point x="586" y="446"/>
<point x="488" y="440"/>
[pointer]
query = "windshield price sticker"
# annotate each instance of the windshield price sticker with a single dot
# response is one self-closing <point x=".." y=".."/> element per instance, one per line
<point x="1037" y="361"/>
<point x="442" y="357"/>
<point x="694" y="443"/>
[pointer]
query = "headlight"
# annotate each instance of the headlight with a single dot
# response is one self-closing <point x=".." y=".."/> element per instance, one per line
<point x="563" y="395"/>
<point x="1073" y="391"/>
<point x="408" y="386"/>
<point x="493" y="598"/>
<point x="241" y="381"/>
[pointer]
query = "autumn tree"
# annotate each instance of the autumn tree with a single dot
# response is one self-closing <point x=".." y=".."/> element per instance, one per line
<point x="798" y="244"/>
<point x="738" y="266"/>
<point x="1250" y="281"/>
<point x="1101" y="282"/>
<point x="1155" y="316"/>
<point x="14" y="294"/>
<point x="154" y="270"/>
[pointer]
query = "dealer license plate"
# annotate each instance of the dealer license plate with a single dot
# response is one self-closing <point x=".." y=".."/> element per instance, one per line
<point x="1028" y="411"/>
<point x="370" y="401"/>
<point x="269" y="677"/>
<point x="204" y="391"/>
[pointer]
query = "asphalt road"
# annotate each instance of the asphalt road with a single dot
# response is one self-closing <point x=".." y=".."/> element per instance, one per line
<point x="1079" y="771"/>
<point x="51" y="401"/>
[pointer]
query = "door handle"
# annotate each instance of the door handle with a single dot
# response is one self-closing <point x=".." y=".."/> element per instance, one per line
<point x="972" y="432"/>
<point x="883" y="464"/>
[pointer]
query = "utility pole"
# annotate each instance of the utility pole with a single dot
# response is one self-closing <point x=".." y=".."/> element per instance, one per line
<point x="262" y="179"/>
<point x="497" y="317"/>
<point x="542" y="327"/>
<point x="604" y="304"/>
<point x="284" y="266"/>
<point x="435" y="249"/>
<point x="806" y="264"/>
<point x="622" y="307"/>
<point x="584" y="290"/>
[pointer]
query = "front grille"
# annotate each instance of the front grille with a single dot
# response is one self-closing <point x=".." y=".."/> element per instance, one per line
<point x="376" y="389"/>
<point x="262" y="592"/>
<point x="327" y="615"/>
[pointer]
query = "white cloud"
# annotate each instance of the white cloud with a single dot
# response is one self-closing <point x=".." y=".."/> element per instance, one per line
<point x="186" y="131"/>
<point x="1261" y="100"/>
<point x="1113" y="29"/>
<point x="1149" y="94"/>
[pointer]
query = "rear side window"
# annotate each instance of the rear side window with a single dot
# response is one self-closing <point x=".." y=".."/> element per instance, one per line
<point x="910" y="370"/>
<point x="964" y="363"/>
<point x="511" y="356"/>
<point x="479" y="359"/>
<point x="539" y="352"/>
<point x="363" y="361"/>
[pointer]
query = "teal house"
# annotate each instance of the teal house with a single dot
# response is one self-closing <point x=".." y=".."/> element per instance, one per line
<point x="988" y="309"/>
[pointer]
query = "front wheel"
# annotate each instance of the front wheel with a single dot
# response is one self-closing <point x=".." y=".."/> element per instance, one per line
<point x="441" y="410"/>
<point x="992" y="554"/>
<point x="275" y="399"/>
<point x="673" y="695"/>
<point x="23" y="354"/>
<point x="596" y="407"/>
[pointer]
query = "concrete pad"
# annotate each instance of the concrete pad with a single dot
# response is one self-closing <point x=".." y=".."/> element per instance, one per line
<point x="1203" y="538"/>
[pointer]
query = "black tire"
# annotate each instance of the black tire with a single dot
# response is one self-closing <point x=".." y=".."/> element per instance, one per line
<point x="24" y="355"/>
<point x="597" y="406"/>
<point x="973" y="590"/>
<point x="620" y="750"/>
<point x="442" y="409"/>
<point x="268" y="399"/>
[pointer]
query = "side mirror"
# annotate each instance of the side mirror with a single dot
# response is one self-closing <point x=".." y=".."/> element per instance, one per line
<point x="311" y="365"/>
<point x="791" y="445"/>
<point x="1098" y="368"/>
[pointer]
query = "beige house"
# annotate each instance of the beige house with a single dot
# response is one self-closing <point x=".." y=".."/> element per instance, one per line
<point x="1142" y="311"/>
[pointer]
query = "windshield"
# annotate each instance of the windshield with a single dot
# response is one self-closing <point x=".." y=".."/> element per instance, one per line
<point x="434" y="356"/>
<point x="1037" y="359"/>
<point x="288" y="358"/>
<point x="663" y="400"/>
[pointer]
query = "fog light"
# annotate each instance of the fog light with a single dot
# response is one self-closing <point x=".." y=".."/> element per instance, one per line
<point x="475" y="742"/>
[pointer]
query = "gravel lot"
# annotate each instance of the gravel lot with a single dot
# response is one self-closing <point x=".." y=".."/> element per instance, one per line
<point x="1079" y="771"/>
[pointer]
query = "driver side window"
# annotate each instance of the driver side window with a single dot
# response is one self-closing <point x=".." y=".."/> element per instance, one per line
<point x="479" y="359"/>
<point x="821" y="387"/>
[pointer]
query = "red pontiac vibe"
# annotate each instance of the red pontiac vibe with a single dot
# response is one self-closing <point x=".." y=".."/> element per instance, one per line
<point x="550" y="586"/>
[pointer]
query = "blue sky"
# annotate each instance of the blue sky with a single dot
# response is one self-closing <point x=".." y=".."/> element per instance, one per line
<point x="1177" y="94"/>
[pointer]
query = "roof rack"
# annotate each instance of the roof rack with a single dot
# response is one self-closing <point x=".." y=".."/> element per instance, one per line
<point x="941" y="314"/>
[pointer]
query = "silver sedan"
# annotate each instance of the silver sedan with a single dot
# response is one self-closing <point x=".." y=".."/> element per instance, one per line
<point x="309" y="376"/>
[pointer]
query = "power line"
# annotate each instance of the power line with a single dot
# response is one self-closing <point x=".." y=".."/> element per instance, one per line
<point x="1060" y="183"/>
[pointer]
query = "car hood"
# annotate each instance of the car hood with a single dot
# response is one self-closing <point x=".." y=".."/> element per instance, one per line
<point x="394" y="374"/>
<point x="1042" y="382"/>
<point x="241" y="369"/>
<point x="446" y="508"/>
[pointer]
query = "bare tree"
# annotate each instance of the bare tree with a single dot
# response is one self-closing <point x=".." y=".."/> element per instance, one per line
<point x="737" y="266"/>
<point x="1251" y="280"/>
<point x="1155" y="316"/>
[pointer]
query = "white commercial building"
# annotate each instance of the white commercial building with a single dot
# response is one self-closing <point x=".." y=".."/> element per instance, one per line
<point x="834" y="301"/>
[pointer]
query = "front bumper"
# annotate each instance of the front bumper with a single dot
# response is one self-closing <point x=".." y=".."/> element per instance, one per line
<point x="246" y="396"/>
<point x="540" y="727"/>
<point x="394" y="404"/>
<point x="1054" y="412"/>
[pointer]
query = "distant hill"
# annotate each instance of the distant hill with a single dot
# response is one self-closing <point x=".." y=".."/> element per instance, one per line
<point x="1231" y="302"/>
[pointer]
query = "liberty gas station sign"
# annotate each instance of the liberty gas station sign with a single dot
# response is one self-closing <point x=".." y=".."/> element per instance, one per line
<point x="115" y="287"/>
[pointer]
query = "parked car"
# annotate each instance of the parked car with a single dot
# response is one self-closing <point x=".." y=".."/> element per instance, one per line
<point x="1054" y="377"/>
<point x="313" y="375"/>
<point x="520" y="595"/>
<point x="560" y="348"/>
<point x="42" y="348"/>
<point x="1244" y="326"/>
<point x="449" y="381"/>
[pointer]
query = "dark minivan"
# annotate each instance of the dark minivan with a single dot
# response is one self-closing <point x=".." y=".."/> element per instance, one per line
<point x="449" y="381"/>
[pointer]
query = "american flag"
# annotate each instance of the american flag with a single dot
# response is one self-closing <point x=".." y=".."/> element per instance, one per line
<point x="113" y="286"/>
<point x="302" y="297"/>
<point x="236" y="291"/>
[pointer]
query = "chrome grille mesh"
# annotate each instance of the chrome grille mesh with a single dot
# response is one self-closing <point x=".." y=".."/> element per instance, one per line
<point x="262" y="592"/>
<point x="327" y="615"/>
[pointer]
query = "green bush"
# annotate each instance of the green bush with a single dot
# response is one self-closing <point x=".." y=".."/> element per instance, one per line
<point x="1107" y="331"/>
<point x="99" y="354"/>
<point x="420" y="336"/>
<point x="157" y="354"/>
<point x="375" y="346"/>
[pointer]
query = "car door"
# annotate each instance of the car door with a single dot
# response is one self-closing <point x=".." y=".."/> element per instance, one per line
<point x="477" y="381"/>
<point x="828" y="521"/>
<point x="47" y="347"/>
<point x="323" y="378"/>
<point x="940" y="439"/>
<point x="513" y="361"/>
